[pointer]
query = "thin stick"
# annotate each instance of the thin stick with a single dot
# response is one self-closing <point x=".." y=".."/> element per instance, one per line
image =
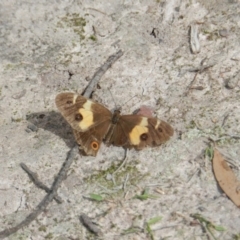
<point x="33" y="176"/>
<point x="87" y="222"/>
<point x="47" y="199"/>
<point x="190" y="85"/>
<point x="99" y="73"/>
<point x="124" y="160"/>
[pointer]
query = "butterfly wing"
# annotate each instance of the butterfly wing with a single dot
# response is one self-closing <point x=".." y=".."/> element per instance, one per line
<point x="90" y="140"/>
<point x="80" y="112"/>
<point x="138" y="132"/>
<point x="90" y="120"/>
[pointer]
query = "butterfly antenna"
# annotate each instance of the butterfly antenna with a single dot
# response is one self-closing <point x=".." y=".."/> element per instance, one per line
<point x="117" y="106"/>
<point x="113" y="99"/>
<point x="129" y="100"/>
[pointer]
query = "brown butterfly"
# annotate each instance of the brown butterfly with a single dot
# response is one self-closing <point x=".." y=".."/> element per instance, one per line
<point x="93" y="124"/>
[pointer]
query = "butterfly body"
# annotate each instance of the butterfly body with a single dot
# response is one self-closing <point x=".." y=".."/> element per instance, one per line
<point x="93" y="124"/>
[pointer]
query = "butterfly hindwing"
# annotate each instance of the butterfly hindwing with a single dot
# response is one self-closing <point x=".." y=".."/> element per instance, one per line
<point x="90" y="140"/>
<point x="138" y="132"/>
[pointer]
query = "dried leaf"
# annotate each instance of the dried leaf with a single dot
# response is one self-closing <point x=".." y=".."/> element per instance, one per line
<point x="226" y="178"/>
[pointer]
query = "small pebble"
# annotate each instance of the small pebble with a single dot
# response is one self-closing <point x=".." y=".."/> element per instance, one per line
<point x="31" y="127"/>
<point x="223" y="32"/>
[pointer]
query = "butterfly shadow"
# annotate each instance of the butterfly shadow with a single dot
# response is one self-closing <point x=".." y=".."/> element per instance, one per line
<point x="52" y="122"/>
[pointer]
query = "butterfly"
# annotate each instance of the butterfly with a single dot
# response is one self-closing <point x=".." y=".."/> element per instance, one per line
<point x="93" y="124"/>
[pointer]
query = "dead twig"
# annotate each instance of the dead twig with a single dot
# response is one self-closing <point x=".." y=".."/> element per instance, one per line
<point x="99" y="73"/>
<point x="47" y="199"/>
<point x="90" y="225"/>
<point x="33" y="176"/>
<point x="191" y="83"/>
<point x="194" y="39"/>
<point x="124" y="160"/>
<point x="204" y="65"/>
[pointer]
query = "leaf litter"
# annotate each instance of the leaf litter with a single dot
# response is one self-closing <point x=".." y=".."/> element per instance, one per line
<point x="226" y="178"/>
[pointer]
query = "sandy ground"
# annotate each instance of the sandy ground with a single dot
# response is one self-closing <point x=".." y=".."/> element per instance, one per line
<point x="52" y="46"/>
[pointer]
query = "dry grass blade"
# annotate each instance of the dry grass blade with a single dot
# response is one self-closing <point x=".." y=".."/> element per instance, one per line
<point x="226" y="178"/>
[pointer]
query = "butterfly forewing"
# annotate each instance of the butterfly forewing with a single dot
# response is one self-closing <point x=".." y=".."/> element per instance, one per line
<point x="81" y="113"/>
